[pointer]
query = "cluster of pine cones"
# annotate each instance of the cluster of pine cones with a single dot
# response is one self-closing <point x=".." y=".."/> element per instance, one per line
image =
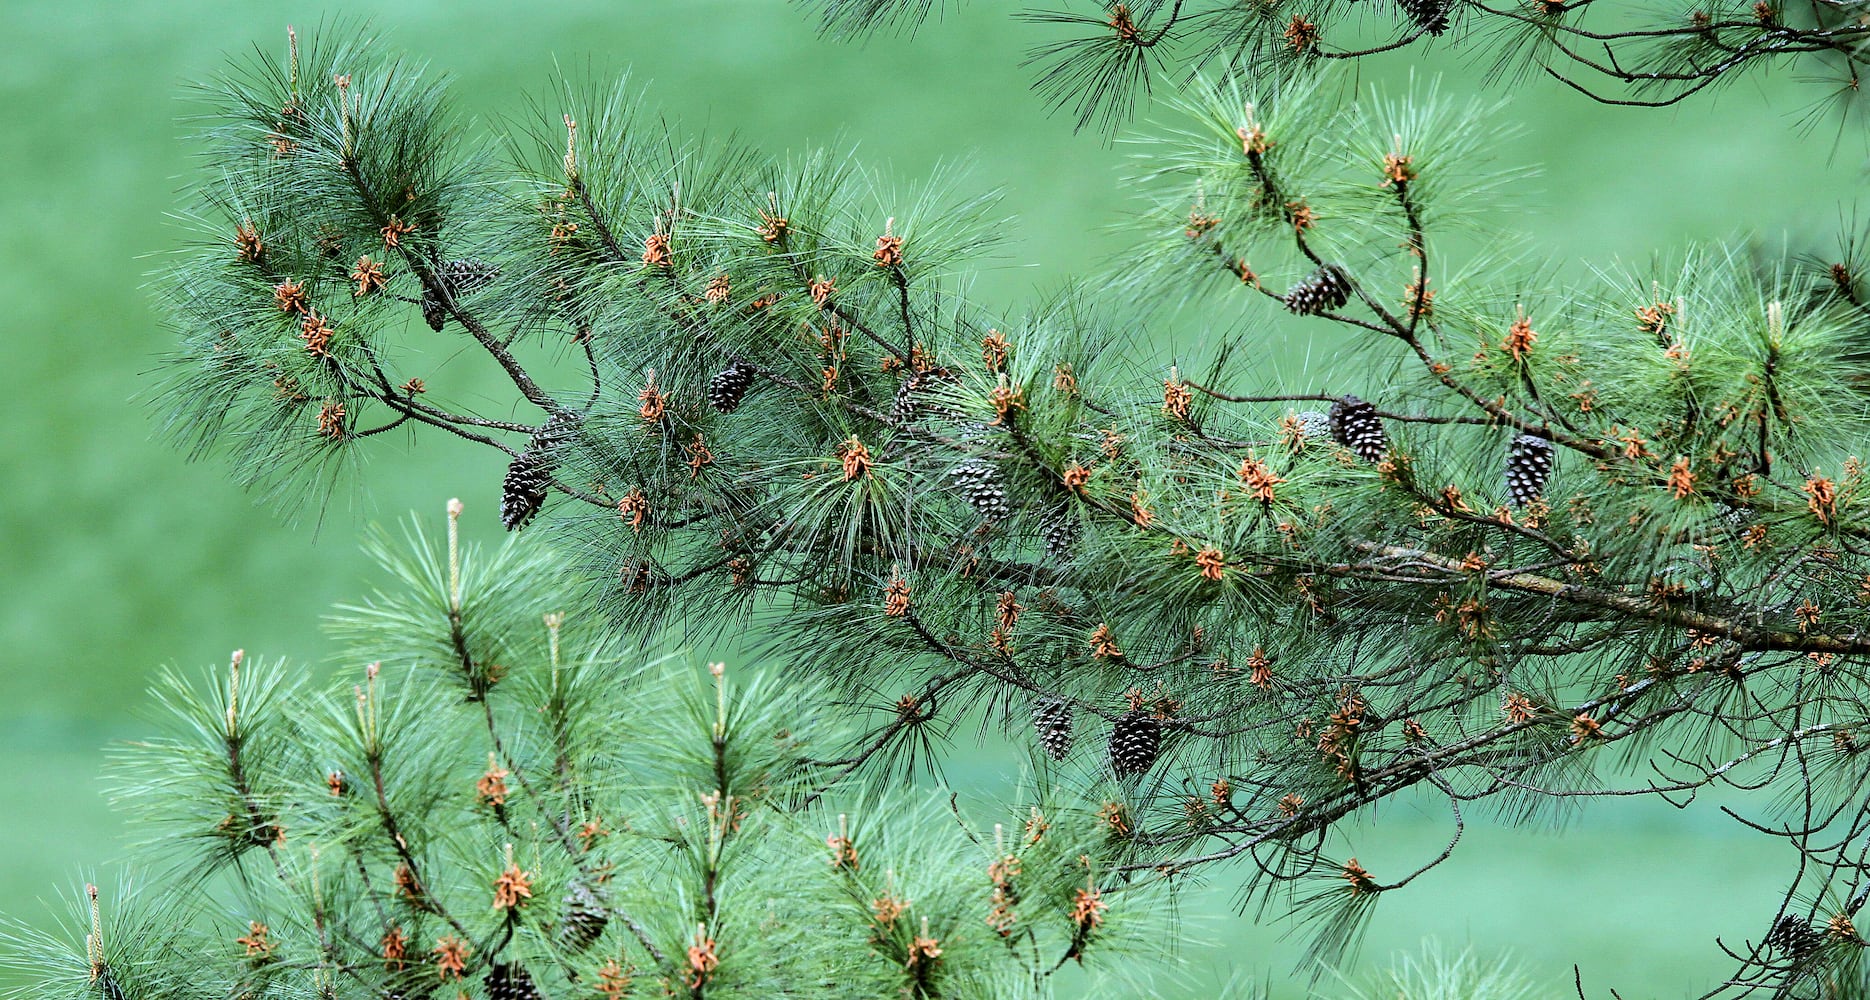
<point x="1356" y="425"/>
<point x="1135" y="738"/>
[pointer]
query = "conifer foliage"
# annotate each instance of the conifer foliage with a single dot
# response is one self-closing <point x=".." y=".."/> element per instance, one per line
<point x="1095" y="57"/>
<point x="506" y="798"/>
<point x="1277" y="631"/>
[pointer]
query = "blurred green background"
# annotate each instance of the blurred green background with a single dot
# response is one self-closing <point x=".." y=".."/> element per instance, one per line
<point x="118" y="555"/>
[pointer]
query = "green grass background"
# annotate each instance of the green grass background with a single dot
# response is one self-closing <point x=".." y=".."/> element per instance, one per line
<point x="118" y="556"/>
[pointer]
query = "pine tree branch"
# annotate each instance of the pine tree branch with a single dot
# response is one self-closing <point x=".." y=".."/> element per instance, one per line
<point x="433" y="286"/>
<point x="392" y="830"/>
<point x="1746" y="636"/>
<point x="887" y="735"/>
<point x="561" y="828"/>
<point x="1326" y="397"/>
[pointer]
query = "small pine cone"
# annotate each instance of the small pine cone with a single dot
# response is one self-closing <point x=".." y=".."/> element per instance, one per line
<point x="1528" y="466"/>
<point x="1355" y="425"/>
<point x="467" y="275"/>
<point x="584" y="920"/>
<point x="555" y="433"/>
<point x="928" y="398"/>
<point x="1135" y="741"/>
<point x="729" y="386"/>
<point x="432" y="312"/>
<point x="1429" y="15"/>
<point x="529" y="477"/>
<point x="524" y="489"/>
<point x="1736" y="517"/>
<point x="1051" y="720"/>
<point x="1793" y="937"/>
<point x="510" y="981"/>
<point x="461" y="277"/>
<point x="1314" y="425"/>
<point x="1061" y="532"/>
<point x="1324" y="289"/>
<point x="979" y="483"/>
<point x="903" y="407"/>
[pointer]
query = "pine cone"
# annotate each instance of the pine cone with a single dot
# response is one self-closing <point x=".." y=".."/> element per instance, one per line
<point x="1061" y="532"/>
<point x="903" y="407"/>
<point x="432" y="312"/>
<point x="1528" y="466"/>
<point x="467" y="275"/>
<point x="1051" y="720"/>
<point x="1135" y="741"/>
<point x="510" y="981"/>
<point x="1429" y="15"/>
<point x="523" y="491"/>
<point x="916" y="397"/>
<point x="585" y="917"/>
<point x="979" y="483"/>
<point x="729" y="386"/>
<point x="1355" y="425"/>
<point x="461" y="277"/>
<point x="1314" y="425"/>
<point x="1737" y="517"/>
<point x="1324" y="289"/>
<point x="529" y="477"/>
<point x="555" y="433"/>
<point x="1793" y="937"/>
